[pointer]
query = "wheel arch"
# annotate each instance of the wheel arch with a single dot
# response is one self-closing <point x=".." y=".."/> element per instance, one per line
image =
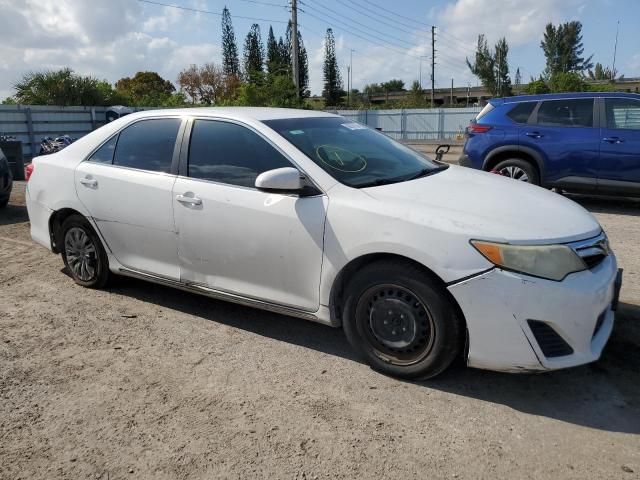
<point x="56" y="220"/>
<point x="338" y="287"/>
<point x="515" y="151"/>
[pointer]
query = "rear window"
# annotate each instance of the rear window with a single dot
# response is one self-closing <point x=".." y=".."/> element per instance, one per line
<point x="521" y="112"/>
<point x="576" y="112"/>
<point x="488" y="107"/>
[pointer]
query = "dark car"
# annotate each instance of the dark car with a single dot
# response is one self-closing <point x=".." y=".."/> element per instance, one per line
<point x="6" y="180"/>
<point x="582" y="142"/>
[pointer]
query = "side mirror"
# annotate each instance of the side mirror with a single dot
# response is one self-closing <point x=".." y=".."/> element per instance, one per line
<point x="287" y="179"/>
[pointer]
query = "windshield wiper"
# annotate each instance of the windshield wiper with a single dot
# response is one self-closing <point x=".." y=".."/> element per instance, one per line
<point x="427" y="171"/>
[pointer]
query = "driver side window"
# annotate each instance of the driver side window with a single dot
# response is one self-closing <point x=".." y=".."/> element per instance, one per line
<point x="229" y="153"/>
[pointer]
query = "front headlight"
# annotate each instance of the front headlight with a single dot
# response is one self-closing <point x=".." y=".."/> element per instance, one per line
<point x="547" y="261"/>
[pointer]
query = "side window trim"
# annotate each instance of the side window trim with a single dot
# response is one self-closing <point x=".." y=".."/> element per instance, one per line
<point x="175" y="159"/>
<point x="183" y="169"/>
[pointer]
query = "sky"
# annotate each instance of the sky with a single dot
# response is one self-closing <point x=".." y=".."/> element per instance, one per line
<point x="111" y="39"/>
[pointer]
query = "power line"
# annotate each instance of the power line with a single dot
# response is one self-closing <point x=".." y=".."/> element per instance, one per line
<point x="396" y="14"/>
<point x="258" y="2"/>
<point x="209" y="12"/>
<point x="364" y="32"/>
<point x="375" y="19"/>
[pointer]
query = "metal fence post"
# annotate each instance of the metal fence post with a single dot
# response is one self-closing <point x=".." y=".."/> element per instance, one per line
<point x="441" y="115"/>
<point x="93" y="118"/>
<point x="32" y="139"/>
<point x="403" y="124"/>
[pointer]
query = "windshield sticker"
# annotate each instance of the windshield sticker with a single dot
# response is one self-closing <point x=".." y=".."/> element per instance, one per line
<point x="296" y="132"/>
<point x="354" y="126"/>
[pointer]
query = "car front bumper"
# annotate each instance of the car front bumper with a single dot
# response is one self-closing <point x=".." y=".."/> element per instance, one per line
<point x="464" y="161"/>
<point x="498" y="306"/>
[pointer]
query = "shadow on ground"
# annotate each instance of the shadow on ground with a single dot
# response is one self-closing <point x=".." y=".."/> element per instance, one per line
<point x="604" y="395"/>
<point x="613" y="205"/>
<point x="13" y="214"/>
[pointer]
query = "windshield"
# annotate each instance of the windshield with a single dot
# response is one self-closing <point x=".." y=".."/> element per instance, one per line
<point x="352" y="153"/>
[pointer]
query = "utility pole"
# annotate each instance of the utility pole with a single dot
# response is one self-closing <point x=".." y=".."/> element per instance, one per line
<point x="615" y="50"/>
<point x="451" y="101"/>
<point x="350" y="74"/>
<point x="349" y="85"/>
<point x="433" y="64"/>
<point x="294" y="54"/>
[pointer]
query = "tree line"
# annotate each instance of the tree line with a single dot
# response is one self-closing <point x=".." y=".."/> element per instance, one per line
<point x="566" y="67"/>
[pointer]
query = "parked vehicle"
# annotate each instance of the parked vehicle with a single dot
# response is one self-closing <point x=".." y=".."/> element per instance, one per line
<point x="6" y="180"/>
<point x="50" y="145"/>
<point x="311" y="215"/>
<point x="582" y="142"/>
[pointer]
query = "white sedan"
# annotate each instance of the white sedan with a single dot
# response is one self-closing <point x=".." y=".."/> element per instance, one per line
<point x="315" y="216"/>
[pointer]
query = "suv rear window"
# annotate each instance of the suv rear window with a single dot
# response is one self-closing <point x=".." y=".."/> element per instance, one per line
<point x="521" y="112"/>
<point x="577" y="112"/>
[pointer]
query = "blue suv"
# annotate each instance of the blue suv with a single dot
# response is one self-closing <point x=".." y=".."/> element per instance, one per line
<point x="581" y="142"/>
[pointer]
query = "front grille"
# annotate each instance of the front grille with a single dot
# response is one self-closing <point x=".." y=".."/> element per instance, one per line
<point x="592" y="251"/>
<point x="550" y="342"/>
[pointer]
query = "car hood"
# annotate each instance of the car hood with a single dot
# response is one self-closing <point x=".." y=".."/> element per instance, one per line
<point x="486" y="206"/>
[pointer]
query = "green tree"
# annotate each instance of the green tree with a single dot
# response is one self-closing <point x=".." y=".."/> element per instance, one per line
<point x="61" y="87"/>
<point x="394" y="85"/>
<point x="537" y="87"/>
<point x="563" y="49"/>
<point x="145" y="88"/>
<point x="600" y="73"/>
<point x="332" y="91"/>
<point x="492" y="67"/>
<point x="254" y="56"/>
<point x="275" y="62"/>
<point x="567" y="82"/>
<point x="230" y="61"/>
<point x="416" y="97"/>
<point x="518" y="79"/>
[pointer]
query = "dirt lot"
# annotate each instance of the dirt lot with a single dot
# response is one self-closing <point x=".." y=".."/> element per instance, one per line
<point x="143" y="381"/>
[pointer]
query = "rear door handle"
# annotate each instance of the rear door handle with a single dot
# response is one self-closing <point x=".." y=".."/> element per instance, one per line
<point x="189" y="200"/>
<point x="89" y="182"/>
<point x="534" y="134"/>
<point x="612" y="140"/>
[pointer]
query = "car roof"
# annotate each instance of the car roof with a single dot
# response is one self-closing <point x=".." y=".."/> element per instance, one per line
<point x="556" y="96"/>
<point x="237" y="113"/>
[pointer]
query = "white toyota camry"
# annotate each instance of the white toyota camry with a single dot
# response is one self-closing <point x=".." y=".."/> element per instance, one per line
<point x="315" y="216"/>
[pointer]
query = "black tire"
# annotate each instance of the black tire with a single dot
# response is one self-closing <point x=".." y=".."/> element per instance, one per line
<point x="4" y="203"/>
<point x="518" y="166"/>
<point x="382" y="292"/>
<point x="81" y="246"/>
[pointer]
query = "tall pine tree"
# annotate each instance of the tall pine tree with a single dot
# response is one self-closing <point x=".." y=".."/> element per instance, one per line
<point x="563" y="49"/>
<point x="230" y="60"/>
<point x="332" y="90"/>
<point x="253" y="55"/>
<point x="275" y="63"/>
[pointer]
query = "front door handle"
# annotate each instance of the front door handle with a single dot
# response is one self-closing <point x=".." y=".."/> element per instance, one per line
<point x="89" y="182"/>
<point x="534" y="134"/>
<point x="612" y="140"/>
<point x="189" y="200"/>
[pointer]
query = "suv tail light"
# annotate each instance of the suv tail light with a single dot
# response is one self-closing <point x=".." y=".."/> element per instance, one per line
<point x="478" y="128"/>
<point x="28" y="171"/>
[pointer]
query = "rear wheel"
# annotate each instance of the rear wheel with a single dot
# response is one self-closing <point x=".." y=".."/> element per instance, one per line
<point x="518" y="169"/>
<point x="4" y="203"/>
<point x="401" y="321"/>
<point x="83" y="253"/>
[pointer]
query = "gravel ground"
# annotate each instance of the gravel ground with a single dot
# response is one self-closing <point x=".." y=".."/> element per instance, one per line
<point x="142" y="381"/>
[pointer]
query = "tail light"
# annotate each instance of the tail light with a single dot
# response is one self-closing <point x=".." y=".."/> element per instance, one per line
<point x="478" y="128"/>
<point x="28" y="171"/>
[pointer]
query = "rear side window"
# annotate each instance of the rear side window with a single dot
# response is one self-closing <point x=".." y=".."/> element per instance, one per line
<point x="566" y="113"/>
<point x="623" y="113"/>
<point x="105" y="153"/>
<point x="148" y="145"/>
<point x="230" y="153"/>
<point x="521" y="112"/>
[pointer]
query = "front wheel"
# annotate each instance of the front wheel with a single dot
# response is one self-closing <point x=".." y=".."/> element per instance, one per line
<point x="83" y="253"/>
<point x="518" y="169"/>
<point x="401" y="320"/>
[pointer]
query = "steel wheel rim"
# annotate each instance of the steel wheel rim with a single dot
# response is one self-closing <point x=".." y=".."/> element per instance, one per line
<point x="515" y="173"/>
<point x="396" y="323"/>
<point x="81" y="254"/>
